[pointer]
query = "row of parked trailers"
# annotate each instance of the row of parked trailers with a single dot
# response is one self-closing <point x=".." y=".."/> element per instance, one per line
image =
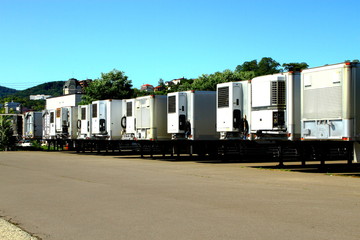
<point x="310" y="114"/>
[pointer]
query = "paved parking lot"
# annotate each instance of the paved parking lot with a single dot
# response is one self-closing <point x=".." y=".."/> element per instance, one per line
<point x="61" y="195"/>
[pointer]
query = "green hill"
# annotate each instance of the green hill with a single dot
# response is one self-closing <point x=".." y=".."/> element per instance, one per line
<point x="4" y="91"/>
<point x="50" y="88"/>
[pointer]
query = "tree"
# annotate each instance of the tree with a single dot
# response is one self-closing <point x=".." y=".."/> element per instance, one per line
<point x="267" y="66"/>
<point x="294" y="66"/>
<point x="161" y="83"/>
<point x="247" y="66"/>
<point x="6" y="134"/>
<point x="112" y="85"/>
<point x="207" y="82"/>
<point x="253" y="68"/>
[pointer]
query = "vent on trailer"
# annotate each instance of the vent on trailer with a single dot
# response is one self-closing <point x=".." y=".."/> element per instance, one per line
<point x="129" y="109"/>
<point x="83" y="113"/>
<point x="278" y="93"/>
<point x="223" y="97"/>
<point x="171" y="104"/>
<point x="52" y="117"/>
<point x="94" y="110"/>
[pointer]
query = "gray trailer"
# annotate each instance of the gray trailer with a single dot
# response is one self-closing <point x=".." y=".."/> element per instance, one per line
<point x="33" y="125"/>
<point x="151" y="118"/>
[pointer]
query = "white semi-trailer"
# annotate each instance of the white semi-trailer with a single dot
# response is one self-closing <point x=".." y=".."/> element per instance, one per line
<point x="151" y="118"/>
<point x="84" y="121"/>
<point x="192" y="115"/>
<point x="128" y="121"/>
<point x="233" y="109"/>
<point x="66" y="122"/>
<point x="330" y="103"/>
<point x="51" y="131"/>
<point x="106" y="119"/>
<point x="275" y="104"/>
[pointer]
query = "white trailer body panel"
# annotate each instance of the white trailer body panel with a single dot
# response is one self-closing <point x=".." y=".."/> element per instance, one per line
<point x="330" y="102"/>
<point x="262" y="119"/>
<point x="151" y="118"/>
<point x="106" y="119"/>
<point x="177" y="111"/>
<point x="192" y="115"/>
<point x="70" y="100"/>
<point x="33" y="125"/>
<point x="275" y="106"/>
<point x="233" y="107"/>
<point x="84" y="121"/>
<point x="52" y="129"/>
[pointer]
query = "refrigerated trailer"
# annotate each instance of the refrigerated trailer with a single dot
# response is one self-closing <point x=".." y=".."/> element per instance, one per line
<point x="192" y="115"/>
<point x="49" y="123"/>
<point x="66" y="122"/>
<point x="275" y="104"/>
<point x="330" y="105"/>
<point x="33" y="125"/>
<point x="106" y="119"/>
<point x="128" y="121"/>
<point x="151" y="118"/>
<point x="331" y="102"/>
<point x="233" y="110"/>
<point x="84" y="121"/>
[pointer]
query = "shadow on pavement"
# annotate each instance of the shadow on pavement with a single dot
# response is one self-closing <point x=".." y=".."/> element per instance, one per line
<point x="341" y="169"/>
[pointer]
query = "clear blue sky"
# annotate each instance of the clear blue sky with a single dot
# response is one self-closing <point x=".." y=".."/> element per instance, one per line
<point x="51" y="40"/>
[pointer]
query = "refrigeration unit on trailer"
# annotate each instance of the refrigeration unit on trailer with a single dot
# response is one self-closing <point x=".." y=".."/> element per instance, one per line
<point x="106" y="119"/>
<point x="128" y="121"/>
<point x="331" y="103"/>
<point x="151" y="118"/>
<point x="49" y="124"/>
<point x="275" y="106"/>
<point x="66" y="122"/>
<point x="84" y="121"/>
<point x="192" y="115"/>
<point x="233" y="109"/>
<point x="33" y="125"/>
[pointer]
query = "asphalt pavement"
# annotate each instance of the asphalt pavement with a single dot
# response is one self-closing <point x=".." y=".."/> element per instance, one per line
<point x="64" y="195"/>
